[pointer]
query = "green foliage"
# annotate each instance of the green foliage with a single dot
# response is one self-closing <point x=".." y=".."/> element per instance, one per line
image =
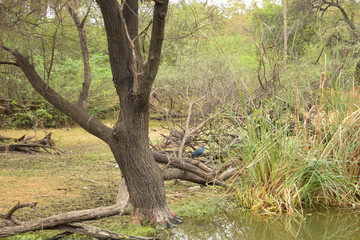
<point x="267" y="23"/>
<point x="285" y="164"/>
<point x="25" y="115"/>
<point x="196" y="207"/>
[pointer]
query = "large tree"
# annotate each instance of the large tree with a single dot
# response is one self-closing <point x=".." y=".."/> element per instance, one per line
<point x="133" y="78"/>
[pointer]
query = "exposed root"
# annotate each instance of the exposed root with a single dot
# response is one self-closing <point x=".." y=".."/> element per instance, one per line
<point x="159" y="218"/>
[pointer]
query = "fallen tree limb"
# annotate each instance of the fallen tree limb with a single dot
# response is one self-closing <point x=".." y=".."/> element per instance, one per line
<point x="95" y="232"/>
<point x="182" y="164"/>
<point x="228" y="173"/>
<point x="175" y="173"/>
<point x="66" y="222"/>
<point x="61" y="219"/>
<point x="28" y="145"/>
<point x="8" y="215"/>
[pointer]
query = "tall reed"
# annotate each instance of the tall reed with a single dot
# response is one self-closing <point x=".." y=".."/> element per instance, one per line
<point x="290" y="157"/>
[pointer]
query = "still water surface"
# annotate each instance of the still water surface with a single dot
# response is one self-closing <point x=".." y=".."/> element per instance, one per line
<point x="320" y="225"/>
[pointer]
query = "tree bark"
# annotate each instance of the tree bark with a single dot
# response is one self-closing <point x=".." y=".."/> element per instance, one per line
<point x="85" y="54"/>
<point x="133" y="81"/>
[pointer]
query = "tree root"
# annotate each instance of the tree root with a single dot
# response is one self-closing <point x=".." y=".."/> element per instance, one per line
<point x="159" y="218"/>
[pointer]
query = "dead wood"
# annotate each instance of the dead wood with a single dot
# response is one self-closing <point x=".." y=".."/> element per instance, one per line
<point x="93" y="231"/>
<point x="8" y="215"/>
<point x="182" y="164"/>
<point x="176" y="168"/>
<point x="61" y="219"/>
<point x="175" y="173"/>
<point x="228" y="173"/>
<point x="8" y="219"/>
<point x="28" y="145"/>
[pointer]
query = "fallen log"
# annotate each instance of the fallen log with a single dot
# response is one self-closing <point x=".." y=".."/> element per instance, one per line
<point x="182" y="164"/>
<point x="61" y="219"/>
<point x="94" y="232"/>
<point x="175" y="173"/>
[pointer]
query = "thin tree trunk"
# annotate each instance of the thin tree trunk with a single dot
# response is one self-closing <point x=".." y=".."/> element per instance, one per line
<point x="85" y="54"/>
<point x="285" y="31"/>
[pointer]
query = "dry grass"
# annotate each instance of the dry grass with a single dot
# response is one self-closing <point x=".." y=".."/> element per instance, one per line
<point x="84" y="176"/>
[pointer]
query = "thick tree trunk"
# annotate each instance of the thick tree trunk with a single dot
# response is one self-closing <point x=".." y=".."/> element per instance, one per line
<point x="130" y="146"/>
<point x="133" y="80"/>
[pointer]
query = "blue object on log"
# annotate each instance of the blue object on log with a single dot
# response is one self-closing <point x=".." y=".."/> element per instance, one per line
<point x="199" y="151"/>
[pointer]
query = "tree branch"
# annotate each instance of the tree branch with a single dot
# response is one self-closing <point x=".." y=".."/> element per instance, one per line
<point x="133" y="58"/>
<point x="9" y="63"/>
<point x="157" y="37"/>
<point x="76" y="113"/>
<point x="8" y="215"/>
<point x="85" y="55"/>
<point x="60" y="219"/>
<point x="182" y="164"/>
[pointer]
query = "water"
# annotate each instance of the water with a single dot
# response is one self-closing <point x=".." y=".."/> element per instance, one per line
<point x="321" y="225"/>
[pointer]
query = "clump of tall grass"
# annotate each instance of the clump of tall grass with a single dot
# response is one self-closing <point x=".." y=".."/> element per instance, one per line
<point x="288" y="162"/>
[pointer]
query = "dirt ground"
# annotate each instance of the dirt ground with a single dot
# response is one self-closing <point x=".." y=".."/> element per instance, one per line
<point x="83" y="176"/>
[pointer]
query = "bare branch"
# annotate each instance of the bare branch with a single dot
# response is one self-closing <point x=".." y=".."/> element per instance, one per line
<point x="187" y="133"/>
<point x="182" y="164"/>
<point x="76" y="113"/>
<point x="85" y="54"/>
<point x="19" y="205"/>
<point x="157" y="37"/>
<point x="9" y="63"/>
<point x="61" y="219"/>
<point x="86" y="15"/>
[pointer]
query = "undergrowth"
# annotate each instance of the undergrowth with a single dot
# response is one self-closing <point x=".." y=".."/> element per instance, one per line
<point x="292" y="155"/>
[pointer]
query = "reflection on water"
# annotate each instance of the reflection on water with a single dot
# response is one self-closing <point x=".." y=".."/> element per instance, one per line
<point x="338" y="224"/>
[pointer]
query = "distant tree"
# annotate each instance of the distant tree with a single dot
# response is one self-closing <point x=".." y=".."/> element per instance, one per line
<point x="285" y="30"/>
<point x="340" y="28"/>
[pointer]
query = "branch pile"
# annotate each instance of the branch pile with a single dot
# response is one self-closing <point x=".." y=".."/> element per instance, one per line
<point x="28" y="145"/>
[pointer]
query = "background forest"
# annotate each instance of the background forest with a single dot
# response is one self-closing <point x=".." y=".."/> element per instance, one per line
<point x="284" y="113"/>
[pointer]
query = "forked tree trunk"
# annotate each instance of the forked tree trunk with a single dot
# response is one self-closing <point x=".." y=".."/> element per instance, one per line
<point x="133" y="81"/>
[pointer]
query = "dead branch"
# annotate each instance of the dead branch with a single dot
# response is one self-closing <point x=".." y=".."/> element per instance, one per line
<point x="9" y="220"/>
<point x="64" y="222"/>
<point x="24" y="144"/>
<point x="228" y="173"/>
<point x="61" y="219"/>
<point x="175" y="173"/>
<point x="94" y="232"/>
<point x="19" y="205"/>
<point x="187" y="132"/>
<point x="85" y="53"/>
<point x="122" y="198"/>
<point x="182" y="164"/>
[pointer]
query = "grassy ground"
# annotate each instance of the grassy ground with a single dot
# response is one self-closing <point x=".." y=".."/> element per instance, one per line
<point x="83" y="177"/>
